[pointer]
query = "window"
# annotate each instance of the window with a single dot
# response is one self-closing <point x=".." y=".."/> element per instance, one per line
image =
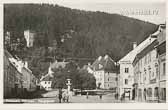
<point x="157" y="71"/>
<point x="163" y="94"/>
<point x="108" y="85"/>
<point x="150" y="92"/>
<point x="100" y="66"/>
<point x="149" y="57"/>
<point x="145" y="60"/>
<point x="126" y="70"/>
<point x="153" y="74"/>
<point x="45" y="82"/>
<point x="126" y="81"/>
<point x="156" y="92"/>
<point x="150" y="74"/>
<point x="164" y="68"/>
<point x="141" y="63"/>
<point x="108" y="79"/>
<point x="48" y="82"/>
<point x="116" y="79"/>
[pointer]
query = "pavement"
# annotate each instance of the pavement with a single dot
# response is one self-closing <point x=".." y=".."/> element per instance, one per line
<point x="52" y="97"/>
<point x="73" y="99"/>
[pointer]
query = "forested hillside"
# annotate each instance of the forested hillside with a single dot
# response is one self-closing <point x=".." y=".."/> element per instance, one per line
<point x="74" y="33"/>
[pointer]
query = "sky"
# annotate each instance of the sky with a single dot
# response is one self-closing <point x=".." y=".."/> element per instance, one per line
<point x="153" y="11"/>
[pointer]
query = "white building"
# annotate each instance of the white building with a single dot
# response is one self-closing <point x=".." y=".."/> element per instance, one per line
<point x="104" y="70"/>
<point x="29" y="36"/>
<point x="29" y="80"/>
<point x="161" y="49"/>
<point x="147" y="71"/>
<point x="46" y="81"/>
<point x="126" y="77"/>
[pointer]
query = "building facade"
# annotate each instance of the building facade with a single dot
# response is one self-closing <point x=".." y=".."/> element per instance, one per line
<point x="12" y="78"/>
<point x="18" y="78"/>
<point x="147" y="72"/>
<point x="104" y="71"/>
<point x="46" y="82"/>
<point x="161" y="49"/>
<point x="126" y="77"/>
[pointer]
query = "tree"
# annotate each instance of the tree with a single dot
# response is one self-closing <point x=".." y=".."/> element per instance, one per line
<point x="87" y="80"/>
<point x="80" y="79"/>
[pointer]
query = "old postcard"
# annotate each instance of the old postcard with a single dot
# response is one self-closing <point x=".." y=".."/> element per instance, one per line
<point x="84" y="52"/>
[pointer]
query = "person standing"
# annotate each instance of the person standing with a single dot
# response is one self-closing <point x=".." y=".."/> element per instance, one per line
<point x="87" y="95"/>
<point x="100" y="96"/>
<point x="60" y="95"/>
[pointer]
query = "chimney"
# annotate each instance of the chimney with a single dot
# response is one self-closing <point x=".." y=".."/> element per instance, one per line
<point x="134" y="45"/>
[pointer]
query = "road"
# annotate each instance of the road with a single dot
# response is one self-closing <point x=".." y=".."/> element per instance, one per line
<point x="73" y="99"/>
<point x="52" y="97"/>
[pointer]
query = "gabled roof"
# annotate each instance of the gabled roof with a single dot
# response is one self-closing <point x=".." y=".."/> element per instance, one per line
<point x="47" y="78"/>
<point x="146" y="50"/>
<point x="104" y="63"/>
<point x="132" y="54"/>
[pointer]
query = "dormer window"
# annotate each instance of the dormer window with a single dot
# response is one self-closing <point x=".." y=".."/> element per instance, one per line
<point x="100" y="66"/>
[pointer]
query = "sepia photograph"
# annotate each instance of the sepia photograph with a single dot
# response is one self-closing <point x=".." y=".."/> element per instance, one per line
<point x="76" y="51"/>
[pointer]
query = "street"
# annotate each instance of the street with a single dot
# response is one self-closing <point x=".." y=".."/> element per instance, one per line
<point x="51" y="97"/>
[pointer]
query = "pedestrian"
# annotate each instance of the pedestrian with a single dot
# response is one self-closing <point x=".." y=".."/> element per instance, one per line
<point x="87" y="95"/>
<point x="60" y="95"/>
<point x="66" y="96"/>
<point x="123" y="96"/>
<point x="100" y="96"/>
<point x="116" y="96"/>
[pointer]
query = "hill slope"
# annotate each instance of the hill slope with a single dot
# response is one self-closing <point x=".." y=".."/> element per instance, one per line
<point x="90" y="33"/>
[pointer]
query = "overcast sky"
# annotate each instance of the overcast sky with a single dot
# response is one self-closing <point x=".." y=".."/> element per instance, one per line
<point x="153" y="11"/>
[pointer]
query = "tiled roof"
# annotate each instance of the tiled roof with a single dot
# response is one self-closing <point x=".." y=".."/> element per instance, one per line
<point x="104" y="63"/>
<point x="145" y="51"/>
<point x="47" y="78"/>
<point x="132" y="54"/>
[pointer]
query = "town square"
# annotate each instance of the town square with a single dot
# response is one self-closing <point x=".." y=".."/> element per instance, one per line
<point x="73" y="52"/>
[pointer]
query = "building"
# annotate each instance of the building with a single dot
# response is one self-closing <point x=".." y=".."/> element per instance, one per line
<point x="46" y="80"/>
<point x="12" y="78"/>
<point x="161" y="50"/>
<point x="126" y="77"/>
<point x="146" y="71"/>
<point x="27" y="75"/>
<point x="33" y="83"/>
<point x="29" y="36"/>
<point x="104" y="70"/>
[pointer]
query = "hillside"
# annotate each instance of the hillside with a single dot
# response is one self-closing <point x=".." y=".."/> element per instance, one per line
<point x="90" y="33"/>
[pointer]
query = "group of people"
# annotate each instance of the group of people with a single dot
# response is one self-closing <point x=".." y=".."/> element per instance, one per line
<point x="63" y="96"/>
